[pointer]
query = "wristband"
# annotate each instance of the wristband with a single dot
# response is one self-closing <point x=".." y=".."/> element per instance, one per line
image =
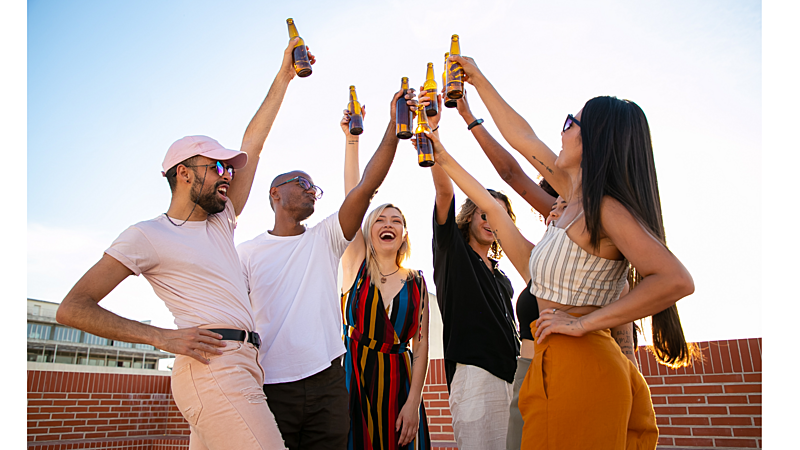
<point x="475" y="124"/>
<point x="437" y="127"/>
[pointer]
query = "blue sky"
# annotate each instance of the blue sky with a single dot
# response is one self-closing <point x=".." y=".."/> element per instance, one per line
<point x="111" y="85"/>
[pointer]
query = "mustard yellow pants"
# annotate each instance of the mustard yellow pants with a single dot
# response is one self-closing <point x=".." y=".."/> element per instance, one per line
<point x="582" y="393"/>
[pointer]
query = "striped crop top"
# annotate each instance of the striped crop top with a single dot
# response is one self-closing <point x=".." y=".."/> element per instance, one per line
<point x="563" y="272"/>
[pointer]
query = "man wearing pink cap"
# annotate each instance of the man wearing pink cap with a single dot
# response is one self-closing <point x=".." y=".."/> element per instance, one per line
<point x="188" y="256"/>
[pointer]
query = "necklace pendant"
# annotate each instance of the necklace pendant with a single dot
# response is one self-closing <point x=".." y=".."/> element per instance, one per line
<point x="383" y="280"/>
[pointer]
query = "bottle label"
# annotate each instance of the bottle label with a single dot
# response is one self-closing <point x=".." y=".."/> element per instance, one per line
<point x="454" y="72"/>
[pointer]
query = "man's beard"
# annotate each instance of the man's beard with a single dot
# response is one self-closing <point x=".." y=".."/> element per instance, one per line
<point x="209" y="201"/>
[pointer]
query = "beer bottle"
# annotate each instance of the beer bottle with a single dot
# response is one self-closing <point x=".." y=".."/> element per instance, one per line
<point x="455" y="73"/>
<point x="403" y="113"/>
<point x="356" y="120"/>
<point x="430" y="87"/>
<point x="424" y="145"/>
<point x="299" y="54"/>
<point x="448" y="102"/>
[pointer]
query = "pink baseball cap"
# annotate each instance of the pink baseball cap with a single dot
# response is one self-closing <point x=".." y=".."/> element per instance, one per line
<point x="189" y="146"/>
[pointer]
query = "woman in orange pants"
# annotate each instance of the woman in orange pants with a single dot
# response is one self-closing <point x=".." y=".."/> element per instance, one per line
<point x="581" y="391"/>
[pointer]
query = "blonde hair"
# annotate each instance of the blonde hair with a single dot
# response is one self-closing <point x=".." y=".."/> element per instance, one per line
<point x="403" y="253"/>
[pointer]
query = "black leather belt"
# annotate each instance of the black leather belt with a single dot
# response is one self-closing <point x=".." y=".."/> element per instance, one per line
<point x="238" y="335"/>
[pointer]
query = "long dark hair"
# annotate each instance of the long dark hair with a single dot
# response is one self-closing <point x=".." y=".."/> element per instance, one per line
<point x="618" y="162"/>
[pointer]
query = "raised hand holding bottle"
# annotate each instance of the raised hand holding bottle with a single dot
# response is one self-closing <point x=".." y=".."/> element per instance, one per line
<point x="448" y="102"/>
<point x="300" y="54"/>
<point x="430" y="87"/>
<point x="424" y="144"/>
<point x="403" y="118"/>
<point x="455" y="73"/>
<point x="356" y="119"/>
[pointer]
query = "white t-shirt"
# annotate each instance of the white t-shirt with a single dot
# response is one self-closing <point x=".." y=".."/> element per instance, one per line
<point x="292" y="282"/>
<point x="193" y="268"/>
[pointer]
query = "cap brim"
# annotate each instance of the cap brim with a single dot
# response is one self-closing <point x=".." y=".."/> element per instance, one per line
<point x="236" y="158"/>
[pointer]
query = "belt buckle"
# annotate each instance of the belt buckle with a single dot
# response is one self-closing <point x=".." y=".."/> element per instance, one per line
<point x="256" y="339"/>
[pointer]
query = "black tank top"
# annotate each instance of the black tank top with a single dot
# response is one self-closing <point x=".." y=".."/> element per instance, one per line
<point x="527" y="312"/>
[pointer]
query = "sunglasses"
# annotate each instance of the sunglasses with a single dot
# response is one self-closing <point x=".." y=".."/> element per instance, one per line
<point x="570" y="120"/>
<point x="220" y="168"/>
<point x="306" y="185"/>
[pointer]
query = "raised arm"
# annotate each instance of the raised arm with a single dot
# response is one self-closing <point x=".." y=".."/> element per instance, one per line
<point x="441" y="181"/>
<point x="258" y="129"/>
<point x="511" y="240"/>
<point x="504" y="163"/>
<point x="80" y="309"/>
<point x="515" y="130"/>
<point x="354" y="254"/>
<point x="357" y="201"/>
<point x="351" y="173"/>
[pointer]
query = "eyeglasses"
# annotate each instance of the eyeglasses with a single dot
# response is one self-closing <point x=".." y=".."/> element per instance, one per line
<point x="220" y="168"/>
<point x="570" y="120"/>
<point x="483" y="216"/>
<point x="306" y="185"/>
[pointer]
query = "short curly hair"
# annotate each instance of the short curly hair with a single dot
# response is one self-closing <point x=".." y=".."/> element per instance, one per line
<point x="469" y="207"/>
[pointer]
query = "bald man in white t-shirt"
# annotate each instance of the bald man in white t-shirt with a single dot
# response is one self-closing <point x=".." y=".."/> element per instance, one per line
<point x="188" y="256"/>
<point x="291" y="274"/>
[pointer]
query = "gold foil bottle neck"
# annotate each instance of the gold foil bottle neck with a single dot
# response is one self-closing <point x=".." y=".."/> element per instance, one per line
<point x="455" y="48"/>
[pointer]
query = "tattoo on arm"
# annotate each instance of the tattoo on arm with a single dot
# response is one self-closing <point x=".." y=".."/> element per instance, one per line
<point x="542" y="163"/>
<point x="624" y="341"/>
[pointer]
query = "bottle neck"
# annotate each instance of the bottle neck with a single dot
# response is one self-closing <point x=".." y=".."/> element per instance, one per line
<point x="293" y="31"/>
<point x="455" y="48"/>
<point x="422" y="117"/>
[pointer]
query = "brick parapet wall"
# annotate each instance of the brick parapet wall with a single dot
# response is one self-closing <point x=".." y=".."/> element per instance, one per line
<point x="715" y="403"/>
<point x="67" y="406"/>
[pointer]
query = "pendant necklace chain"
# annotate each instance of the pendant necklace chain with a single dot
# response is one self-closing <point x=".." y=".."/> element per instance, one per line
<point x="383" y="277"/>
<point x="195" y="203"/>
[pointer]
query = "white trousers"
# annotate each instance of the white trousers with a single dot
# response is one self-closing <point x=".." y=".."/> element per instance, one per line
<point x="479" y="403"/>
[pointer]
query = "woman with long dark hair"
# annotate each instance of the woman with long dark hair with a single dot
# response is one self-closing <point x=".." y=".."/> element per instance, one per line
<point x="581" y="391"/>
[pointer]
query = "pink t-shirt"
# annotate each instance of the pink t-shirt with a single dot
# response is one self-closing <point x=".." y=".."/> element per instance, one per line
<point x="193" y="268"/>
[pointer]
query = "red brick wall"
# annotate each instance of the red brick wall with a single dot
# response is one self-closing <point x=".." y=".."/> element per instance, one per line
<point x="437" y="406"/>
<point x="101" y="407"/>
<point x="714" y="404"/>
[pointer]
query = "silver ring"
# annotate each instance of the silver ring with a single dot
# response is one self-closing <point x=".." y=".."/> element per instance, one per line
<point x="554" y="310"/>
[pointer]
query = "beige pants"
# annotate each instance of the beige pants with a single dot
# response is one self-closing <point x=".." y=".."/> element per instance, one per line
<point x="479" y="403"/>
<point x="224" y="402"/>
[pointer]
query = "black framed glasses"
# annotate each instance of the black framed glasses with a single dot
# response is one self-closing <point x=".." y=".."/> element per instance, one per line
<point x="306" y="185"/>
<point x="220" y="168"/>
<point x="570" y="120"/>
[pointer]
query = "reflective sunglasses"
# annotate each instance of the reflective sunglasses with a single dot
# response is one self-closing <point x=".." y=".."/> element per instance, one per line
<point x="570" y="120"/>
<point x="220" y="168"/>
<point x="306" y="185"/>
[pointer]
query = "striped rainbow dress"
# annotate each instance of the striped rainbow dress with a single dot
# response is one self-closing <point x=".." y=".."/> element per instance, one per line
<point x="378" y="362"/>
